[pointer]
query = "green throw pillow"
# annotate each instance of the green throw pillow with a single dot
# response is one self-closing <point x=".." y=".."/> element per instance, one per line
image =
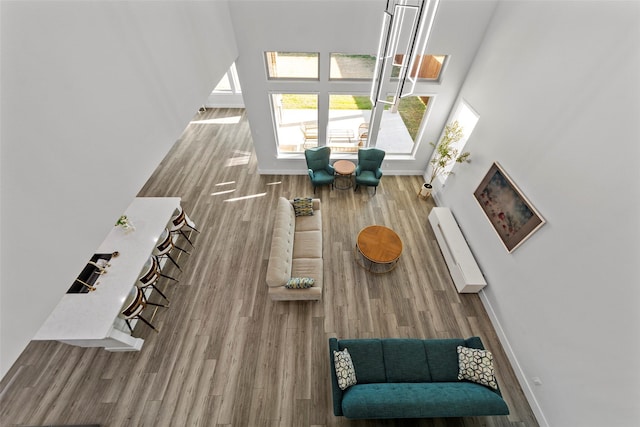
<point x="300" y="283"/>
<point x="345" y="371"/>
<point x="303" y="206"/>
<point x="477" y="366"/>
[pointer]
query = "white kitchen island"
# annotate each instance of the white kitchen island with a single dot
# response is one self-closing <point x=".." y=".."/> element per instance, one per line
<point x="91" y="319"/>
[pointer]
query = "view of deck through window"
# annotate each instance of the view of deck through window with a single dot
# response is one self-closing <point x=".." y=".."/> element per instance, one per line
<point x="348" y="122"/>
<point x="296" y="119"/>
<point x="344" y="126"/>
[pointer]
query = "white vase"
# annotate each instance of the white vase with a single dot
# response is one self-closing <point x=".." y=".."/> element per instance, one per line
<point x="127" y="227"/>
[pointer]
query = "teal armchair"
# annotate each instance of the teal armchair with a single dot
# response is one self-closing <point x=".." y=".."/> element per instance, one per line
<point x="368" y="172"/>
<point x="320" y="171"/>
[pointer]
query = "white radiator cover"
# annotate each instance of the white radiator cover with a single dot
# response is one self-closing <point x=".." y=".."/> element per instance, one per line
<point x="462" y="265"/>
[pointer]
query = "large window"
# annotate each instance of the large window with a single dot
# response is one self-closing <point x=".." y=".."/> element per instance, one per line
<point x="336" y="111"/>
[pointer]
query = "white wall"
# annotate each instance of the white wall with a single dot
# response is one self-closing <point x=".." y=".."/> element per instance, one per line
<point x="557" y="87"/>
<point x="349" y="26"/>
<point x="93" y="96"/>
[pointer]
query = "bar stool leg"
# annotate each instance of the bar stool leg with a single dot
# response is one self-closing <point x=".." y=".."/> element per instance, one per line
<point x="168" y="277"/>
<point x="173" y="261"/>
<point x="147" y="323"/>
<point x="144" y="320"/>
<point x="182" y="250"/>
<point x="187" y="237"/>
<point x="155" y="303"/>
<point x="159" y="269"/>
<point x="161" y="294"/>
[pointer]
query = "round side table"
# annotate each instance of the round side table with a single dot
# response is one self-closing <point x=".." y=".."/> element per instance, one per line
<point x="344" y="169"/>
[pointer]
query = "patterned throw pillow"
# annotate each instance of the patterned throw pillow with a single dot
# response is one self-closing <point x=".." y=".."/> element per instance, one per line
<point x="303" y="206"/>
<point x="300" y="283"/>
<point x="344" y="369"/>
<point x="477" y="366"/>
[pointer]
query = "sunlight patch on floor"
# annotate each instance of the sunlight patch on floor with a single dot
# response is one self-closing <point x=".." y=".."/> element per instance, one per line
<point x="237" y="161"/>
<point x="219" y="121"/>
<point x="253" y="196"/>
<point x="218" y="193"/>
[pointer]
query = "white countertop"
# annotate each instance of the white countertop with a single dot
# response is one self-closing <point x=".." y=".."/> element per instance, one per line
<point x="91" y="315"/>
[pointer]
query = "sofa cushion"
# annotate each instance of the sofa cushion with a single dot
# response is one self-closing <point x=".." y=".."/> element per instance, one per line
<point x="477" y="366"/>
<point x="309" y="222"/>
<point x="405" y="360"/>
<point x="308" y="267"/>
<point x="368" y="360"/>
<point x="345" y="373"/>
<point x="303" y="206"/>
<point x="307" y="244"/>
<point x="421" y="400"/>
<point x="442" y="356"/>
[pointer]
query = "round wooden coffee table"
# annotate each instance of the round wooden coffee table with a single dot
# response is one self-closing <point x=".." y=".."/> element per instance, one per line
<point x="344" y="169"/>
<point x="378" y="246"/>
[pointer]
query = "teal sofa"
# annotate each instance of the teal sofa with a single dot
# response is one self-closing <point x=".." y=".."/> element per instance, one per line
<point x="410" y="378"/>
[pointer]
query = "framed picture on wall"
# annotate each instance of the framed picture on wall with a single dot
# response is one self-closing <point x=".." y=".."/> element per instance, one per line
<point x="513" y="217"/>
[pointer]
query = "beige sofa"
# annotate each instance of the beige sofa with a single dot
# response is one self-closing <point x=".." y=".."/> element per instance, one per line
<point x="296" y="251"/>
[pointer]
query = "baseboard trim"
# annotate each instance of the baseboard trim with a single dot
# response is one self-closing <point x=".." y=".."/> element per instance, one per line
<point x="522" y="379"/>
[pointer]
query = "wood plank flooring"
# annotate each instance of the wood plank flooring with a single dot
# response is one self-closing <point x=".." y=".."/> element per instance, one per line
<point x="228" y="356"/>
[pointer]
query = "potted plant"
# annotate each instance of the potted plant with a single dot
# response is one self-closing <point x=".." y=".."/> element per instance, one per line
<point x="445" y="155"/>
<point x="125" y="223"/>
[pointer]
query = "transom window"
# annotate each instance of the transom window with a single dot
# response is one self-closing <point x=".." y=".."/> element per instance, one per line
<point x="357" y="67"/>
<point x="430" y="67"/>
<point x="292" y="65"/>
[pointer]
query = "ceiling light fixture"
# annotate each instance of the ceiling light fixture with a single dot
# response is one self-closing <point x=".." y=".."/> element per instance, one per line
<point x="406" y="28"/>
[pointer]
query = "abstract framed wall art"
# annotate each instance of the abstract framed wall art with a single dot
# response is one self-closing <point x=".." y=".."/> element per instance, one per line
<point x="513" y="217"/>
